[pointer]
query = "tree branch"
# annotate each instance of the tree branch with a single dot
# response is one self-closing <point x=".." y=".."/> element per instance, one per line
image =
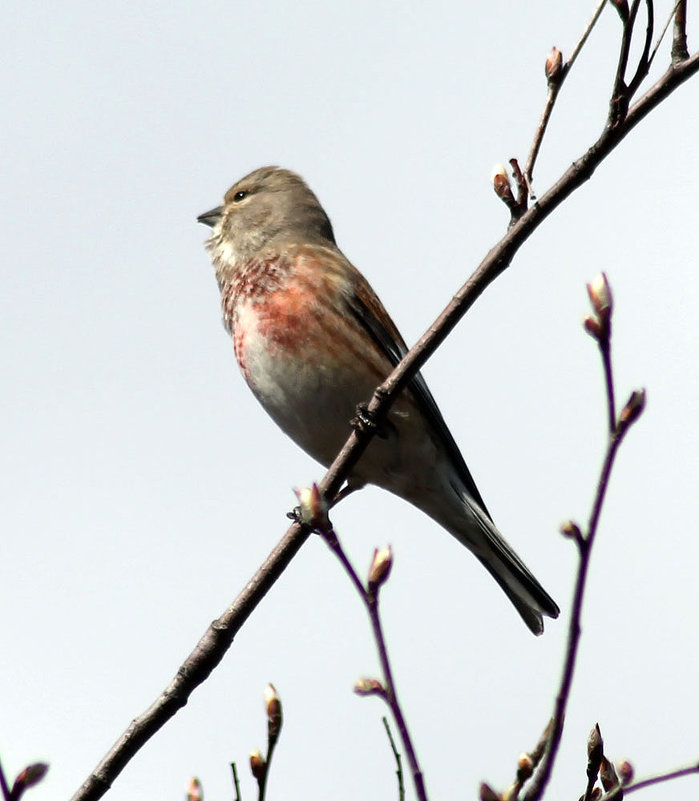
<point x="213" y="645"/>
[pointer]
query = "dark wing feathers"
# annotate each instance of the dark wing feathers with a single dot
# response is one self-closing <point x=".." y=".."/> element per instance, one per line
<point x="368" y="311"/>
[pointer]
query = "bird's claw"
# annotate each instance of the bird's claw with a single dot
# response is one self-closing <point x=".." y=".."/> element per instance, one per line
<point x="295" y="515"/>
<point x="364" y="420"/>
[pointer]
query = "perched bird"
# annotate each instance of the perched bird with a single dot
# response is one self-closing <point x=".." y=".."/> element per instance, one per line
<point x="313" y="340"/>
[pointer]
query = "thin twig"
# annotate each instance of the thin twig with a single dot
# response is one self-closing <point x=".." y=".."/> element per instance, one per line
<point x="617" y="432"/>
<point x="619" y="792"/>
<point x="541" y="779"/>
<point x="551" y="95"/>
<point x="643" y="62"/>
<point x="392" y="697"/>
<point x="370" y="599"/>
<point x="214" y="643"/>
<point x="236" y="783"/>
<point x="553" y="90"/>
<point x="679" y="38"/>
<point x="4" y="787"/>
<point x="396" y="755"/>
<point x="262" y="781"/>
<point x="333" y="543"/>
<point x="605" y="352"/>
<point x="619" y="103"/>
<point x="670" y="18"/>
<point x="262" y="784"/>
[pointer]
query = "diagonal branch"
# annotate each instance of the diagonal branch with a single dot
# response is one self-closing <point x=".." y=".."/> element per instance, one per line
<point x="213" y="645"/>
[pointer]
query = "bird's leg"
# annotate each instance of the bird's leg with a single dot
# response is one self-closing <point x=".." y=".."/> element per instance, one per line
<point x="348" y="489"/>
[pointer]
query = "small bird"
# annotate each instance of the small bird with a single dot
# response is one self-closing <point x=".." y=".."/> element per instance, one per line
<point x="313" y="341"/>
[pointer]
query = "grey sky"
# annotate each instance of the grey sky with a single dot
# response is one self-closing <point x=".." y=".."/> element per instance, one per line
<point x="142" y="484"/>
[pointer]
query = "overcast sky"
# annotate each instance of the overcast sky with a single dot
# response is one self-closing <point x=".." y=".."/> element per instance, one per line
<point x="142" y="485"/>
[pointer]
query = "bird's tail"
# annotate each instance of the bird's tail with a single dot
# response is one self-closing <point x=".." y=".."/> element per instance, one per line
<point x="478" y="533"/>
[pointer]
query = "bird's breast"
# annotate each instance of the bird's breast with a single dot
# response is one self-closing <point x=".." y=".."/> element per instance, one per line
<point x="304" y="359"/>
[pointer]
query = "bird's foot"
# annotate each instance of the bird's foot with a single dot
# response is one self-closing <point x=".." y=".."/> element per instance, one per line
<point x="364" y="420"/>
<point x="295" y="515"/>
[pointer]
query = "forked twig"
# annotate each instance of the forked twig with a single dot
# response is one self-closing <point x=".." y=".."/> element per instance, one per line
<point x="378" y="574"/>
<point x="618" y="428"/>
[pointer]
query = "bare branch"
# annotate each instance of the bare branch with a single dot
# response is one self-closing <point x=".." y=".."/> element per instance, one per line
<point x="213" y="645"/>
<point x="619" y="103"/>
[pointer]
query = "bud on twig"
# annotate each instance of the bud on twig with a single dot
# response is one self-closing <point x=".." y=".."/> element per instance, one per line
<point x="195" y="792"/>
<point x="554" y="66"/>
<point x="608" y="775"/>
<point x="380" y="567"/>
<point x="502" y="186"/>
<point x="273" y="705"/>
<point x="593" y="328"/>
<point x="595" y="753"/>
<point x="486" y="793"/>
<point x="633" y="409"/>
<point x="626" y="772"/>
<point x="525" y="768"/>
<point x="601" y="297"/>
<point x="258" y="766"/>
<point x="365" y="686"/>
<point x="29" y="777"/>
<point x="313" y="508"/>
<point x="572" y="531"/>
<point x="540" y="748"/>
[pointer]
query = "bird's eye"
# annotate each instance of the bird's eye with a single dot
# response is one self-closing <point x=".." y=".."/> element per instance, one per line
<point x="239" y="196"/>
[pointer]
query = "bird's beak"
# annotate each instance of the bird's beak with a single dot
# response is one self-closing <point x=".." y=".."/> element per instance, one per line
<point x="211" y="218"/>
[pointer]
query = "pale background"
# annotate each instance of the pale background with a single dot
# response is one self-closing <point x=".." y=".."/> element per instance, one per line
<point x="142" y="485"/>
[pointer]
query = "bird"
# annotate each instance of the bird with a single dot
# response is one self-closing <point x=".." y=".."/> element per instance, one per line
<point x="313" y="341"/>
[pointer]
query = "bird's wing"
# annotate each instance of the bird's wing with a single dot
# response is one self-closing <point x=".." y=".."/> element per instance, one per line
<point x="369" y="312"/>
